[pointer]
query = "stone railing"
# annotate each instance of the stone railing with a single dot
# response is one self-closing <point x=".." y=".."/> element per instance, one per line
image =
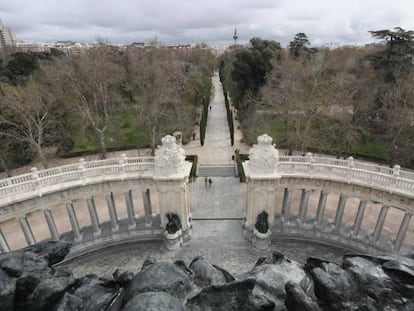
<point x="46" y="190"/>
<point x="349" y="170"/>
<point x="379" y="221"/>
<point x="38" y="181"/>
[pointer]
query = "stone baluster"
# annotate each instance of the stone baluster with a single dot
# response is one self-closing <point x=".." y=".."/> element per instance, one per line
<point x="359" y="217"/>
<point x="396" y="171"/>
<point x="380" y="223"/>
<point x="340" y="212"/>
<point x="35" y="177"/>
<point x="51" y="224"/>
<point x="350" y="167"/>
<point x="146" y="197"/>
<point x="27" y="231"/>
<point x="81" y="169"/>
<point x="321" y="208"/>
<point x="110" y="202"/>
<point x="73" y="222"/>
<point x="122" y="162"/>
<point x="4" y="246"/>
<point x="303" y="207"/>
<point x="311" y="160"/>
<point x="402" y="231"/>
<point x="93" y="216"/>
<point x="130" y="209"/>
<point x="287" y="199"/>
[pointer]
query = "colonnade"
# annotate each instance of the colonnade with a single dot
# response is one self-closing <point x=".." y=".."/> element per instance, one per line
<point x="270" y="189"/>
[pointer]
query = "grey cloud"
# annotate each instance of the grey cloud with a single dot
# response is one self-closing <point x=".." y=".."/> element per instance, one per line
<point x="211" y="21"/>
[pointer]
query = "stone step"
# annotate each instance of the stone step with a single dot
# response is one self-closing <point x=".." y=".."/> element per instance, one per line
<point x="216" y="170"/>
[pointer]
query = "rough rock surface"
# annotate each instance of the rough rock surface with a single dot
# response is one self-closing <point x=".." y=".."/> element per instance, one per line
<point x="31" y="280"/>
<point x="207" y="274"/>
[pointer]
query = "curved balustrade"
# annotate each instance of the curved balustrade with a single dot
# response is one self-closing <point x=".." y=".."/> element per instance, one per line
<point x="319" y="228"/>
<point x="388" y="230"/>
<point x="96" y="233"/>
<point x="167" y="173"/>
<point x="38" y="181"/>
<point x="351" y="171"/>
<point x="388" y="192"/>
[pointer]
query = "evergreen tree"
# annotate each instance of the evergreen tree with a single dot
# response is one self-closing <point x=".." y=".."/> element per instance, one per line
<point x="398" y="54"/>
<point x="299" y="45"/>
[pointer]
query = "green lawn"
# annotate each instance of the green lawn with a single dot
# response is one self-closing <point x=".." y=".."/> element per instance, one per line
<point x="375" y="150"/>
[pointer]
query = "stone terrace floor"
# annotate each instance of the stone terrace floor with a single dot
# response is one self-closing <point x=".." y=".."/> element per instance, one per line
<point x="217" y="235"/>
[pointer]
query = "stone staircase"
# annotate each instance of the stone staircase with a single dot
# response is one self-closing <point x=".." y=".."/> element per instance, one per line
<point x="226" y="170"/>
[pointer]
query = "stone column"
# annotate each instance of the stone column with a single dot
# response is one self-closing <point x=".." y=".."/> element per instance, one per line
<point x="287" y="199"/>
<point x="402" y="231"/>
<point x="171" y="173"/>
<point x="4" y="246"/>
<point x="74" y="222"/>
<point x="303" y="207"/>
<point x="359" y="217"/>
<point x="27" y="231"/>
<point x="110" y="202"/>
<point x="51" y="224"/>
<point x="340" y="212"/>
<point x="380" y="223"/>
<point x="130" y="209"/>
<point x="321" y="208"/>
<point x="93" y="216"/>
<point x="262" y="179"/>
<point x="146" y="197"/>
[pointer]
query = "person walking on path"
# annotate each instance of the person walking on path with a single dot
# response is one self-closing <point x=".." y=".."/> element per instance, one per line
<point x="210" y="181"/>
<point x="205" y="180"/>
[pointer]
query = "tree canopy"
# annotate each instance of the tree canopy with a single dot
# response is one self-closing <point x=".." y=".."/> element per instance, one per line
<point x="300" y="45"/>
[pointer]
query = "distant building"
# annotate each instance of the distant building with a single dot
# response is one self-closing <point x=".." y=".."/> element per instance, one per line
<point x="7" y="37"/>
<point x="35" y="47"/>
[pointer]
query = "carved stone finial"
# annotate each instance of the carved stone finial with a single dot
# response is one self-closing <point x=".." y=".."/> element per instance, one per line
<point x="263" y="157"/>
<point x="169" y="157"/>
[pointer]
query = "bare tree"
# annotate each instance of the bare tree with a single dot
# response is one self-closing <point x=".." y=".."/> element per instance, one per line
<point x="93" y="81"/>
<point x="398" y="117"/>
<point x="310" y="98"/>
<point x="27" y="115"/>
<point x="157" y="81"/>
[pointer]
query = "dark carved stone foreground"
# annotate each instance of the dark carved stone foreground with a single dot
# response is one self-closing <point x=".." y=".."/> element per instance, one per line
<point x="30" y="281"/>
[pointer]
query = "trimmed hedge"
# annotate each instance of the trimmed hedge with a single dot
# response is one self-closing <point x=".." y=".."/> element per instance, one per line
<point x="229" y="116"/>
<point x="193" y="159"/>
<point x="203" y="122"/>
<point x="96" y="151"/>
<point x="240" y="158"/>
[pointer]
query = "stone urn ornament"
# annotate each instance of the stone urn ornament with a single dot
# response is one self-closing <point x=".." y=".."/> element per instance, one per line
<point x="263" y="157"/>
<point x="173" y="238"/>
<point x="261" y="239"/>
<point x="169" y="157"/>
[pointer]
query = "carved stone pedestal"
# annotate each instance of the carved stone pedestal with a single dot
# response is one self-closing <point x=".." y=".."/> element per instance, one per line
<point x="261" y="241"/>
<point x="173" y="241"/>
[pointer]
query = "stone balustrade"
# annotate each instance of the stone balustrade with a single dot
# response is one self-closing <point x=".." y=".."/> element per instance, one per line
<point x="389" y="190"/>
<point x="389" y="193"/>
<point x="167" y="174"/>
<point x="351" y="171"/>
<point x="54" y="179"/>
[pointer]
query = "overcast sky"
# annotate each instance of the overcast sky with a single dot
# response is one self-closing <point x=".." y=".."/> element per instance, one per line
<point x="209" y="21"/>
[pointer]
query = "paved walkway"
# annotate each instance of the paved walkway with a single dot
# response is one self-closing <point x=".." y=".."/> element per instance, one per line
<point x="217" y="148"/>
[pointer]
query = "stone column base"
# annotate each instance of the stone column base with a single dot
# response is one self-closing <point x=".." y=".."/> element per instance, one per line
<point x="261" y="241"/>
<point x="173" y="241"/>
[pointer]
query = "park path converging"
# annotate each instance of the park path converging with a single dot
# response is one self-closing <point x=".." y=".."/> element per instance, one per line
<point x="217" y="209"/>
<point x="217" y="149"/>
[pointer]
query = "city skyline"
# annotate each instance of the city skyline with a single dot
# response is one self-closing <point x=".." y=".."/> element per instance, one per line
<point x="180" y="22"/>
